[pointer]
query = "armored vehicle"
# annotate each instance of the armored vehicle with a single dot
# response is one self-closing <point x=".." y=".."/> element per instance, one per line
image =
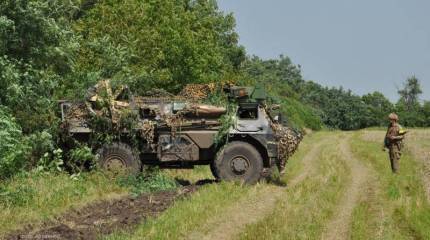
<point x="240" y="141"/>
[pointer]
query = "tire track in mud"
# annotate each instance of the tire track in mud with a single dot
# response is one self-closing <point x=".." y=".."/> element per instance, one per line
<point x="340" y="224"/>
<point x="231" y="222"/>
<point x="104" y="217"/>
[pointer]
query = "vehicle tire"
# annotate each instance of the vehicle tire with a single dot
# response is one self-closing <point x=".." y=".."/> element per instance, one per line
<point x="239" y="161"/>
<point x="212" y="166"/>
<point x="117" y="158"/>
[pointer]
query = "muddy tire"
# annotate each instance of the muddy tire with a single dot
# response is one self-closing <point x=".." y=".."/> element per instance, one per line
<point x="117" y="158"/>
<point x="238" y="161"/>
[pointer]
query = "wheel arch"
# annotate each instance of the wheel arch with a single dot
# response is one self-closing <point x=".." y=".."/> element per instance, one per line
<point x="255" y="143"/>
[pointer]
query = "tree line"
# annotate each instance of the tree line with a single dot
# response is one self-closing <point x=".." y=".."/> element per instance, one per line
<point x="53" y="50"/>
<point x="337" y="108"/>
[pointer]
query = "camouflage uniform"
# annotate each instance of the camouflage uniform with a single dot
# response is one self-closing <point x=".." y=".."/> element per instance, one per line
<point x="393" y="141"/>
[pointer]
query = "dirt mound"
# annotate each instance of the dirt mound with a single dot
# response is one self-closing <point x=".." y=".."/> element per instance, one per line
<point x="104" y="217"/>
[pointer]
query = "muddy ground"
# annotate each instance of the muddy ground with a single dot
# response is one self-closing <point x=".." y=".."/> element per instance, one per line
<point x="104" y="217"/>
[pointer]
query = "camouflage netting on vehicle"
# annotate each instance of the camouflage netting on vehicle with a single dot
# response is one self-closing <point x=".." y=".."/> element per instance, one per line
<point x="171" y="112"/>
<point x="288" y="141"/>
<point x="77" y="111"/>
<point x="160" y="108"/>
<point x="197" y="92"/>
<point x="157" y="92"/>
<point x="147" y="130"/>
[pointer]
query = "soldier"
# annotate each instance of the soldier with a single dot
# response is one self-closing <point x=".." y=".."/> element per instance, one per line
<point x="393" y="141"/>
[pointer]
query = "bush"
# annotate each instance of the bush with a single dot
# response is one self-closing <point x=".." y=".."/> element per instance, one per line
<point x="80" y="158"/>
<point x="40" y="143"/>
<point x="13" y="150"/>
<point x="150" y="181"/>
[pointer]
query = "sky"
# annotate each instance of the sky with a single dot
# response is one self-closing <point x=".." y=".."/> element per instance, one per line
<point x="362" y="45"/>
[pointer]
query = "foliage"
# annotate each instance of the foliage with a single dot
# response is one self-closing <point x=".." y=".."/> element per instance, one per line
<point x="300" y="115"/>
<point x="56" y="49"/>
<point x="149" y="181"/>
<point x="79" y="158"/>
<point x="411" y="112"/>
<point x="40" y="143"/>
<point x="227" y="120"/>
<point x="36" y="49"/>
<point x="309" y="104"/>
<point x="159" y="43"/>
<point x="13" y="149"/>
<point x="51" y="161"/>
<point x="426" y="111"/>
<point x="379" y="107"/>
<point x="410" y="93"/>
<point x="283" y="81"/>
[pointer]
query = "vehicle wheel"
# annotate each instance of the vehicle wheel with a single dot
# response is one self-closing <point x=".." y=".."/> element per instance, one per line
<point x="239" y="161"/>
<point x="212" y="166"/>
<point x="117" y="158"/>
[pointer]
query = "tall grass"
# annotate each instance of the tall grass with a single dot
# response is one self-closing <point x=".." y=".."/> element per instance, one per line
<point x="33" y="198"/>
<point x="396" y="206"/>
<point x="304" y="209"/>
<point x="190" y="214"/>
<point x="37" y="197"/>
<point x="299" y="206"/>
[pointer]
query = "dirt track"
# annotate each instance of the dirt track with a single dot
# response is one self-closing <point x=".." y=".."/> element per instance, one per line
<point x="339" y="226"/>
<point x="417" y="142"/>
<point x="251" y="210"/>
<point x="104" y="217"/>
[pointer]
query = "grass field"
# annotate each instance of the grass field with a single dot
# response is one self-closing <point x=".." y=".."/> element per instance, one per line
<point x="339" y="186"/>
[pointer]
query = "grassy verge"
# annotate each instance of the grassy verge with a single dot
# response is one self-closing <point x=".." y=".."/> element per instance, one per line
<point x="195" y="213"/>
<point x="190" y="176"/>
<point x="304" y="209"/>
<point x="396" y="207"/>
<point x="189" y="214"/>
<point x="36" y="197"/>
<point x="33" y="198"/>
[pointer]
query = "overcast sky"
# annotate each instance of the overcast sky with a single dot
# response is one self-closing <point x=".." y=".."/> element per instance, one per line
<point x="363" y="45"/>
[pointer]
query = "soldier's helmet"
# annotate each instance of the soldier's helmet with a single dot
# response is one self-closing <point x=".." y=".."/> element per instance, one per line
<point x="393" y="116"/>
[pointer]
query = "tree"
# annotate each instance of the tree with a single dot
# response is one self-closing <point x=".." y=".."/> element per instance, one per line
<point x="379" y="108"/>
<point x="12" y="147"/>
<point x="160" y="43"/>
<point x="410" y="111"/>
<point x="409" y="95"/>
<point x="283" y="80"/>
<point x="426" y="113"/>
<point x="37" y="49"/>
